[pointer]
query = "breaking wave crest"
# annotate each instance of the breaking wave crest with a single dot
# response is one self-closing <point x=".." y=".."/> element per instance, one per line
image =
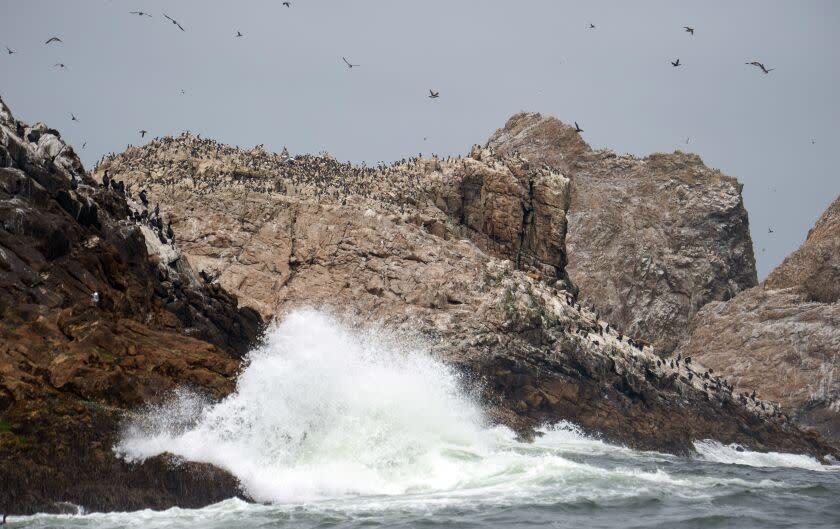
<point x="323" y="412"/>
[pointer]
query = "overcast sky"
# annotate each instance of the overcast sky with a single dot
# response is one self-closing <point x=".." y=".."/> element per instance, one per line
<point x="284" y="83"/>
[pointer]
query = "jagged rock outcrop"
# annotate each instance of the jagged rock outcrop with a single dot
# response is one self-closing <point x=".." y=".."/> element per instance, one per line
<point x="814" y="269"/>
<point x="650" y="241"/>
<point x="782" y="338"/>
<point x="100" y="315"/>
<point x="468" y="252"/>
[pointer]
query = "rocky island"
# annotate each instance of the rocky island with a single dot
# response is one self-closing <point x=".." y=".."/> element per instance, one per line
<point x="558" y="279"/>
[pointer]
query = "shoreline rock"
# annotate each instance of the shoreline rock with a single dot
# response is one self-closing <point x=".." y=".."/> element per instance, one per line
<point x="782" y="337"/>
<point x="94" y="325"/>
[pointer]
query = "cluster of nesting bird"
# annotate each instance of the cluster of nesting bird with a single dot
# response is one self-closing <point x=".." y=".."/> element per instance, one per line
<point x="171" y="164"/>
<point x="682" y="366"/>
<point x="142" y="214"/>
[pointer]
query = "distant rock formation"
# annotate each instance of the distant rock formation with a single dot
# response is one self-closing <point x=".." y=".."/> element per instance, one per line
<point x="650" y="241"/>
<point x="814" y="269"/>
<point x="468" y="252"/>
<point x="99" y="316"/>
<point x="782" y="338"/>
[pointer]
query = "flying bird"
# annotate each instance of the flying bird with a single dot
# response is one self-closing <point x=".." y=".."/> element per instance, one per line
<point x="689" y="29"/>
<point x="174" y="22"/>
<point x="433" y="94"/>
<point x="11" y="51"/>
<point x="577" y="128"/>
<point x="675" y="63"/>
<point x="591" y="25"/>
<point x="140" y="14"/>
<point x="348" y="63"/>
<point x="142" y="133"/>
<point x="73" y="118"/>
<point x="759" y="65"/>
<point x="287" y="4"/>
<point x="84" y="145"/>
<point x="238" y="34"/>
<point x="770" y="230"/>
<point x="59" y="65"/>
<point x="53" y="39"/>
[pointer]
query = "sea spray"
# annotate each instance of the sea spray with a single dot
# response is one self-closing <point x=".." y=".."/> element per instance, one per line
<point x="357" y="419"/>
<point x="320" y="411"/>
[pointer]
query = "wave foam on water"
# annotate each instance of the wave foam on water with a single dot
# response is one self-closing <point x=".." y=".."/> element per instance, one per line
<point x="326" y="413"/>
<point x="735" y="454"/>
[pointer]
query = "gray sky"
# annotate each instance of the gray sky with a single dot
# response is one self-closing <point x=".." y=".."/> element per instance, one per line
<point x="284" y="83"/>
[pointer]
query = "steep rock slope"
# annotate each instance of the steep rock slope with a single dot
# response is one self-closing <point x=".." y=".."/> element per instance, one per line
<point x="650" y="241"/>
<point x="467" y="252"/>
<point x="99" y="315"/>
<point x="782" y="338"/>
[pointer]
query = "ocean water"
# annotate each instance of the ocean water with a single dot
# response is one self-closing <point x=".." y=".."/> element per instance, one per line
<point x="338" y="427"/>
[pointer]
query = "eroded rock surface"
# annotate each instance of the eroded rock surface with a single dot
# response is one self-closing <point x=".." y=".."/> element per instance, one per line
<point x="468" y="252"/>
<point x="651" y="240"/>
<point x="100" y="315"/>
<point x="782" y="338"/>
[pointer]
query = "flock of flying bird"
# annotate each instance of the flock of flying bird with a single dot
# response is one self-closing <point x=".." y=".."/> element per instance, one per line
<point x="433" y="94"/>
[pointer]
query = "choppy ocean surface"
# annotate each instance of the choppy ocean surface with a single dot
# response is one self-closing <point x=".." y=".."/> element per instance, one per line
<point x="335" y="427"/>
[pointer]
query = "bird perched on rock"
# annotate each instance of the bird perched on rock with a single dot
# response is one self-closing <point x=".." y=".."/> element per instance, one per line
<point x="143" y="197"/>
<point x="689" y="29"/>
<point x="53" y="39"/>
<point x="760" y="65"/>
<point x="433" y="94"/>
<point x="94" y="298"/>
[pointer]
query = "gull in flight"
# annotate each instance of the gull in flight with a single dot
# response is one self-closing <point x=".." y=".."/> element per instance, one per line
<point x="174" y="22"/>
<point x="433" y="94"/>
<point x="348" y="63"/>
<point x="759" y="65"/>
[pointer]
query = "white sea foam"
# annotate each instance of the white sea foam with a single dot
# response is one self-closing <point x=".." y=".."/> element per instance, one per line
<point x="358" y="420"/>
<point x="736" y="455"/>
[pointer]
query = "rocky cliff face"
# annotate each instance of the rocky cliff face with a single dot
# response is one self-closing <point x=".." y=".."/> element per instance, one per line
<point x="783" y="337"/>
<point x="814" y="269"/>
<point x="100" y="314"/>
<point x="468" y="252"/>
<point x="650" y="241"/>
